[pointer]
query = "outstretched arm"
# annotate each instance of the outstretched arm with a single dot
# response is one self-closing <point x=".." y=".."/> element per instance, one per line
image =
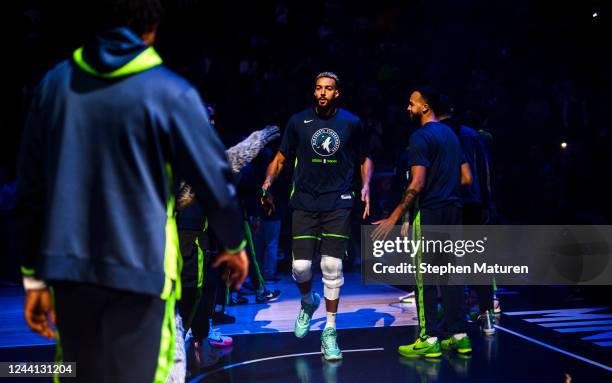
<point x="418" y="173"/>
<point x="274" y="169"/>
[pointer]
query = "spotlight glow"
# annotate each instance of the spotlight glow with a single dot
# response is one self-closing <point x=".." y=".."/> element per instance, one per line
<point x="564" y="145"/>
<point x="595" y="14"/>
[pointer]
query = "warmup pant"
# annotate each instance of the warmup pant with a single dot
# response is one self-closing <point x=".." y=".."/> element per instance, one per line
<point x="206" y="305"/>
<point x="200" y="283"/>
<point x="453" y="299"/>
<point x="255" y="275"/>
<point x="192" y="276"/>
<point x="114" y="336"/>
<point x="266" y="246"/>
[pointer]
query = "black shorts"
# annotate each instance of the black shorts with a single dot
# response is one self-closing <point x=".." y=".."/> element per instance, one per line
<point x="325" y="231"/>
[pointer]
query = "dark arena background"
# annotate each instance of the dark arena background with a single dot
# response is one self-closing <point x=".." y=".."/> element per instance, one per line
<point x="533" y="78"/>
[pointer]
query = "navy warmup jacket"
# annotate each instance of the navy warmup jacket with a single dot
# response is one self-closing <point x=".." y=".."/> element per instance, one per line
<point x="107" y="132"/>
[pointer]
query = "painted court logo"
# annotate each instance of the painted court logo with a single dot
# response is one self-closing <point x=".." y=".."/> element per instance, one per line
<point x="325" y="142"/>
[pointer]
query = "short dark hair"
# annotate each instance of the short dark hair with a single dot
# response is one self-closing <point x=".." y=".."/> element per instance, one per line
<point x="140" y="16"/>
<point x="331" y="75"/>
<point x="431" y="97"/>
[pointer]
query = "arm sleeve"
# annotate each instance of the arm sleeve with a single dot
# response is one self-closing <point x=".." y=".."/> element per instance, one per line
<point x="288" y="143"/>
<point x="200" y="158"/>
<point x="419" y="151"/>
<point x="31" y="189"/>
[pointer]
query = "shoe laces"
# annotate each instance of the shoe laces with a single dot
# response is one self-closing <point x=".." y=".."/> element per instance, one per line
<point x="303" y="317"/>
<point x="329" y="340"/>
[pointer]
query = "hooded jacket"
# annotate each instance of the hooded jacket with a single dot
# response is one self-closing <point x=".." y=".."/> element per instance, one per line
<point x="107" y="134"/>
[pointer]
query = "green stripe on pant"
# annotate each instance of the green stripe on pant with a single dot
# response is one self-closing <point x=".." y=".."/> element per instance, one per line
<point x="416" y="235"/>
<point x="198" y="295"/>
<point x="247" y="232"/>
<point x="165" y="360"/>
<point x="249" y="239"/>
<point x="343" y="236"/>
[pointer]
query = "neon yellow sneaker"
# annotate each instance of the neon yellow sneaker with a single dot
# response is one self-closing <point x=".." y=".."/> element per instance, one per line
<point x="421" y="348"/>
<point x="462" y="346"/>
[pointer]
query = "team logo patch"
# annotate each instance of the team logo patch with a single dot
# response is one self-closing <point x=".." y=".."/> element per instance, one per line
<point x="325" y="142"/>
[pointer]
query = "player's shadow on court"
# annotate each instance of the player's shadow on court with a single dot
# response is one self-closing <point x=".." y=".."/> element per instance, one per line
<point x="246" y="320"/>
<point x="362" y="318"/>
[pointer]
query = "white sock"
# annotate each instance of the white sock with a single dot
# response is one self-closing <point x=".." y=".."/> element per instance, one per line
<point x="307" y="298"/>
<point x="432" y="339"/>
<point x="460" y="336"/>
<point x="331" y="320"/>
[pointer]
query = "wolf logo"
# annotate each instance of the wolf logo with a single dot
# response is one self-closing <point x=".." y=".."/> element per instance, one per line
<point x="325" y="142"/>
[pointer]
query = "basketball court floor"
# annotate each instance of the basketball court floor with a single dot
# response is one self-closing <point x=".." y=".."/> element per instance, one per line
<point x="543" y="335"/>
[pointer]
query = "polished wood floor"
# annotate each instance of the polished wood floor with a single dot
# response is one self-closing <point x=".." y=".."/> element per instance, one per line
<point x="361" y="306"/>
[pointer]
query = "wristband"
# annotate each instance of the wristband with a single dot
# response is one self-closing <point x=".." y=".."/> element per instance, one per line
<point x="31" y="283"/>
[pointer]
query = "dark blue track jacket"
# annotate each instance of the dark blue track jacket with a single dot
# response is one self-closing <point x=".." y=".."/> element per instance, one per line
<point x="108" y="132"/>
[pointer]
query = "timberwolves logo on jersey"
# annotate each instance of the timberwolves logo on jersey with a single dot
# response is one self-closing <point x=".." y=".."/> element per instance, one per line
<point x="325" y="142"/>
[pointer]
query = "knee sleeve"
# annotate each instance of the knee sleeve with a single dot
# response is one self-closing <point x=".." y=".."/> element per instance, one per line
<point x="301" y="270"/>
<point x="333" y="278"/>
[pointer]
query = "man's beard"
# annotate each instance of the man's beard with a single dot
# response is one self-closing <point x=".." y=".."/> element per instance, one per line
<point x="329" y="105"/>
<point x="415" y="117"/>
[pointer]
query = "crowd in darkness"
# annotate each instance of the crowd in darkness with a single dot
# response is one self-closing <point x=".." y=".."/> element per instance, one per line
<point x="533" y="74"/>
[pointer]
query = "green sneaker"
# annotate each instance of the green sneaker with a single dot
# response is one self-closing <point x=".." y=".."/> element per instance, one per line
<point x="463" y="346"/>
<point x="302" y="323"/>
<point x="421" y="348"/>
<point x="329" y="344"/>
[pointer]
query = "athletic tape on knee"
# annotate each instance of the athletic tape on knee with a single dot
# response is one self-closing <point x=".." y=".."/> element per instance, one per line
<point x="333" y="278"/>
<point x="301" y="270"/>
